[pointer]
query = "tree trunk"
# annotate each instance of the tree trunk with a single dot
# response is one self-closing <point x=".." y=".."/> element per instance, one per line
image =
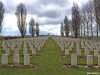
<point x="81" y="30"/>
<point x="37" y="33"/>
<point x="87" y="29"/>
<point x="67" y="34"/>
<point x="84" y="30"/>
<point x="62" y="34"/>
<point x="22" y="36"/>
<point x="91" y="30"/>
<point x="32" y="35"/>
<point x="97" y="31"/>
<point x="76" y="34"/>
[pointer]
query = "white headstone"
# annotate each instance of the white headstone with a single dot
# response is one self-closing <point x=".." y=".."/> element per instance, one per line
<point x="99" y="60"/>
<point x="26" y="59"/>
<point x="4" y="59"/>
<point x="7" y="51"/>
<point x="33" y="51"/>
<point x="74" y="59"/>
<point x="70" y="48"/>
<point x="62" y="48"/>
<point x="24" y="50"/>
<point x="86" y="52"/>
<point x="12" y="47"/>
<point x="16" y="51"/>
<point x="16" y="58"/>
<point x="78" y="51"/>
<point x="96" y="52"/>
<point x="66" y="51"/>
<point x="89" y="60"/>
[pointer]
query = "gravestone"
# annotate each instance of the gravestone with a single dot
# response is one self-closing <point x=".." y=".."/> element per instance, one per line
<point x="33" y="51"/>
<point x="66" y="51"/>
<point x="78" y="51"/>
<point x="16" y="51"/>
<point x="74" y="59"/>
<point x="12" y="47"/>
<point x="7" y="50"/>
<point x="26" y="59"/>
<point x="89" y="60"/>
<point x="86" y="52"/>
<point x="4" y="58"/>
<point x="96" y="52"/>
<point x="62" y="48"/>
<point x="99" y="60"/>
<point x="24" y="50"/>
<point x="16" y="58"/>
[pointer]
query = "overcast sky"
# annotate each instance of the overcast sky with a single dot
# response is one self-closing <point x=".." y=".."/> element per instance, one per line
<point x="48" y="13"/>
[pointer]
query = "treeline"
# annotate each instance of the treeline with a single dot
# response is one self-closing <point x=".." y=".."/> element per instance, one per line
<point x="21" y="14"/>
<point x="83" y="20"/>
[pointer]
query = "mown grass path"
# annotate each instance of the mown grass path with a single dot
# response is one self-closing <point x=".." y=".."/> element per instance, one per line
<point x="50" y="62"/>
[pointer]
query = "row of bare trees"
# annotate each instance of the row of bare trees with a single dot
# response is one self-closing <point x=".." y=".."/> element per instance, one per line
<point x="21" y="14"/>
<point x="75" y="20"/>
<point x="88" y="20"/>
<point x="84" y="20"/>
<point x="72" y="26"/>
<point x="32" y="28"/>
<point x="65" y="28"/>
<point x="97" y="13"/>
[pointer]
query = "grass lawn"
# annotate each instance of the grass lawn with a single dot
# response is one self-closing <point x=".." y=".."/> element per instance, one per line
<point x="50" y="62"/>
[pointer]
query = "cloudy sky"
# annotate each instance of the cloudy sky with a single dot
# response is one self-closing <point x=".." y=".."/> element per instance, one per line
<point x="48" y="13"/>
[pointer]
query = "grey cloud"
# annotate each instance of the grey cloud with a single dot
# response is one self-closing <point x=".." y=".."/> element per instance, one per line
<point x="50" y="21"/>
<point x="9" y="6"/>
<point x="54" y="21"/>
<point x="53" y="16"/>
<point x="57" y="2"/>
<point x="38" y="8"/>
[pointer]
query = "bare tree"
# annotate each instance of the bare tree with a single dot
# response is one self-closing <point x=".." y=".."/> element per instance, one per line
<point x="87" y="17"/>
<point x="1" y="15"/>
<point x="31" y="27"/>
<point x="71" y="28"/>
<point x="37" y="29"/>
<point x="66" y="27"/>
<point x="97" y="14"/>
<point x="75" y="19"/>
<point x="81" y="26"/>
<point x="62" y="30"/>
<point x="92" y="15"/>
<point x="82" y="22"/>
<point x="21" y="14"/>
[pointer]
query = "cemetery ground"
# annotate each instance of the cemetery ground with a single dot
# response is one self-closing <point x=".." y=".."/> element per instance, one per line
<point x="49" y="61"/>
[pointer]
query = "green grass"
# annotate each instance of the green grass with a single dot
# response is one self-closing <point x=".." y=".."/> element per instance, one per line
<point x="50" y="62"/>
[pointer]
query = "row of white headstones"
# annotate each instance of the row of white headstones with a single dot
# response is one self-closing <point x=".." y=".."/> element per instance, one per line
<point x="15" y="45"/>
<point x="67" y="45"/>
